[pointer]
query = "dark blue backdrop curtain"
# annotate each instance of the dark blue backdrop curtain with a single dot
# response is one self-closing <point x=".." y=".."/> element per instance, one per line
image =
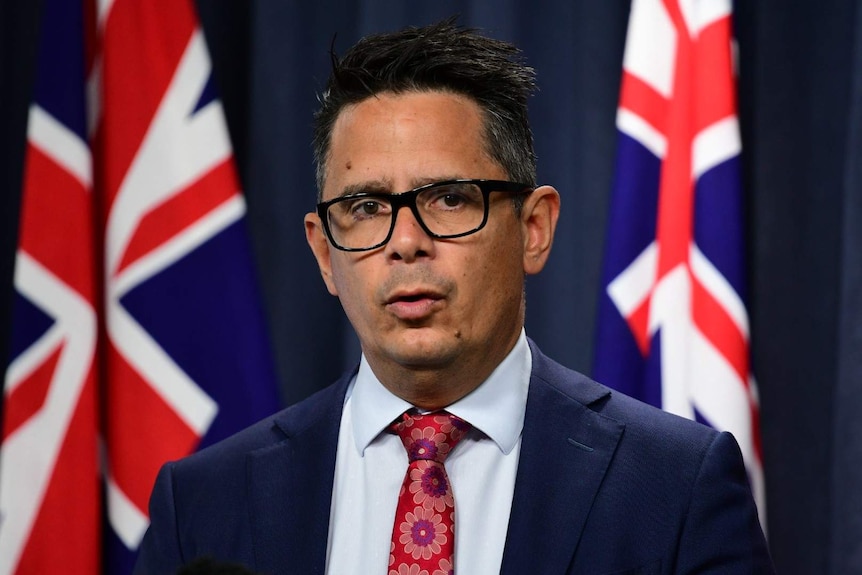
<point x="846" y="476"/>
<point x="801" y="116"/>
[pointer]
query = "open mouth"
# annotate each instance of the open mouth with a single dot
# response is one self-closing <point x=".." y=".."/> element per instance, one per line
<point x="413" y="306"/>
<point x="415" y="297"/>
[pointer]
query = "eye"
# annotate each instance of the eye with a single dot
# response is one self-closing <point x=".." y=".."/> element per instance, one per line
<point x="455" y="197"/>
<point x="366" y="208"/>
<point x="450" y="200"/>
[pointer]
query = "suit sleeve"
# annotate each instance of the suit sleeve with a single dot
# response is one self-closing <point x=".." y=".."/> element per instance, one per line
<point x="722" y="533"/>
<point x="160" y="551"/>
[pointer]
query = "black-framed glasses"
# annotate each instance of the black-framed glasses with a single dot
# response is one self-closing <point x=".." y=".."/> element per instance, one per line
<point x="448" y="209"/>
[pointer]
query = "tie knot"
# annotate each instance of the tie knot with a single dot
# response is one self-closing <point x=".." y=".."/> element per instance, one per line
<point x="431" y="436"/>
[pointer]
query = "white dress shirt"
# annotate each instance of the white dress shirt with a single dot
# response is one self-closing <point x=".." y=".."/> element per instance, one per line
<point x="371" y="463"/>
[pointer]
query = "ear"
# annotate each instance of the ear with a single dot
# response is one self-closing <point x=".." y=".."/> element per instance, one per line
<point x="316" y="238"/>
<point x="539" y="216"/>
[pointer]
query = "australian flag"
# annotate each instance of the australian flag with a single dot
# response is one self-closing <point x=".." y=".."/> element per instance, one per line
<point x="138" y="333"/>
<point x="672" y="325"/>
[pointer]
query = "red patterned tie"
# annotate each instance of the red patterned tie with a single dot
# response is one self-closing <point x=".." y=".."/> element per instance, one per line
<point x="423" y="537"/>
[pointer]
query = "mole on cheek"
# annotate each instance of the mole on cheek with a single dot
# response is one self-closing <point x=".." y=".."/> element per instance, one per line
<point x="348" y="165"/>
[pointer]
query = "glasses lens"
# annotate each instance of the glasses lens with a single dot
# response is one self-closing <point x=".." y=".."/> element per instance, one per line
<point x="451" y="209"/>
<point x="358" y="223"/>
<point x="446" y="210"/>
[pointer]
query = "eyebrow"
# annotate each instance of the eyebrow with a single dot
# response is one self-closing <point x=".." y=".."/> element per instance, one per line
<point x="385" y="187"/>
<point x="373" y="187"/>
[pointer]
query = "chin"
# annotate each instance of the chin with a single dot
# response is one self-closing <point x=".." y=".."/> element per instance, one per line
<point x="424" y="349"/>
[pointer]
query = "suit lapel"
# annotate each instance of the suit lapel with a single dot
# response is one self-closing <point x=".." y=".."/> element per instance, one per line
<point x="565" y="452"/>
<point x="292" y="487"/>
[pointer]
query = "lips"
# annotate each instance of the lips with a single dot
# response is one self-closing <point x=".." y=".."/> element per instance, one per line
<point x="413" y="305"/>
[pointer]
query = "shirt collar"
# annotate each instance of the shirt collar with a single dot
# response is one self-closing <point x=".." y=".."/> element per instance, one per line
<point x="496" y="407"/>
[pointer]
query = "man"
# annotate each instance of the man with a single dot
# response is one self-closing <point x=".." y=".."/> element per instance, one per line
<point x="429" y="219"/>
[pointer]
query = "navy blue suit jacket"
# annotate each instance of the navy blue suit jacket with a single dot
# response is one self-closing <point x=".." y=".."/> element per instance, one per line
<point x="605" y="484"/>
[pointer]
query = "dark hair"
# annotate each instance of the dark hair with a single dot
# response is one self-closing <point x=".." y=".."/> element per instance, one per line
<point x="441" y="57"/>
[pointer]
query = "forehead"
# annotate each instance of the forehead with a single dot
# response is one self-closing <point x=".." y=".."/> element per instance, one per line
<point x="394" y="140"/>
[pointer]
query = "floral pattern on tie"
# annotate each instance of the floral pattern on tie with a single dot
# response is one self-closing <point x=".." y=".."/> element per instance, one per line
<point x="430" y="487"/>
<point x="423" y="536"/>
<point x="445" y="567"/>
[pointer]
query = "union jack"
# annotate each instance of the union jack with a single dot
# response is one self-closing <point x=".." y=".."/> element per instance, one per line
<point x="137" y="330"/>
<point x="672" y="324"/>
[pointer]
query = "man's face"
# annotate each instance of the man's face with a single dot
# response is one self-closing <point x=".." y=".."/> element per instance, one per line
<point x="420" y="305"/>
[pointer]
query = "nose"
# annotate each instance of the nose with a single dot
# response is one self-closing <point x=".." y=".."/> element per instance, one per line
<point x="409" y="241"/>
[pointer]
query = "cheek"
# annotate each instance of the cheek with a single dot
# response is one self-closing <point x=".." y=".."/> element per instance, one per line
<point x="497" y="277"/>
<point x="349" y="285"/>
<point x="357" y="281"/>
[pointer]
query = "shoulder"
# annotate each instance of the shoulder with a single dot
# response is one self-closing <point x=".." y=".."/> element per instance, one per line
<point x="682" y="462"/>
<point x="646" y="427"/>
<point x="203" y="504"/>
<point x="650" y="483"/>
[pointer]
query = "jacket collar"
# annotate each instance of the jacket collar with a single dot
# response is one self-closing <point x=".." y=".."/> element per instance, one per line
<point x="292" y="485"/>
<point x="565" y="453"/>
